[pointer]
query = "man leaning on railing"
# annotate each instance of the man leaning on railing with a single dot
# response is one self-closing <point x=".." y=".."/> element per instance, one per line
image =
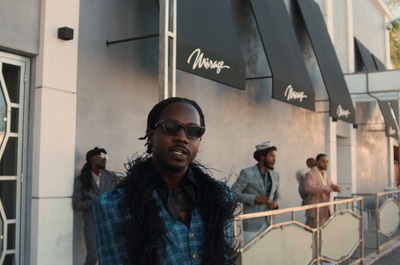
<point x="257" y="187"/>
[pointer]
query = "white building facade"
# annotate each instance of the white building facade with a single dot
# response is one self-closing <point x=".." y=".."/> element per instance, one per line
<point x="60" y="98"/>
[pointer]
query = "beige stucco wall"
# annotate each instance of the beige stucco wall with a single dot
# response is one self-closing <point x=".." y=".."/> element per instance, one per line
<point x="372" y="149"/>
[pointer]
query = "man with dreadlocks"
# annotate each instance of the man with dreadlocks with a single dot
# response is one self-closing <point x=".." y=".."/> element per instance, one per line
<point x="93" y="181"/>
<point x="168" y="209"/>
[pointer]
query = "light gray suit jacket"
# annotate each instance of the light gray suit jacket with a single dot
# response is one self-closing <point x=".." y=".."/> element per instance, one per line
<point x="249" y="185"/>
<point x="82" y="200"/>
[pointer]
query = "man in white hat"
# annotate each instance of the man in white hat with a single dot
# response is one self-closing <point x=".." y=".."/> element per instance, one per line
<point x="257" y="187"/>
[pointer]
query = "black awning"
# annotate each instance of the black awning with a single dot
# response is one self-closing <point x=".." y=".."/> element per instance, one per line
<point x="291" y="81"/>
<point x="389" y="109"/>
<point x="341" y="105"/>
<point x="207" y="43"/>
<point x="366" y="56"/>
<point x="395" y="107"/>
<point x="379" y="65"/>
<point x="389" y="117"/>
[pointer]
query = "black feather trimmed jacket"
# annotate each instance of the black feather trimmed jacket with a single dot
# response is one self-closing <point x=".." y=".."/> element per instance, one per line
<point x="132" y="227"/>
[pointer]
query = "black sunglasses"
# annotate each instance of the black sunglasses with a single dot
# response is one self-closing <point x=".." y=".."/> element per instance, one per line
<point x="173" y="127"/>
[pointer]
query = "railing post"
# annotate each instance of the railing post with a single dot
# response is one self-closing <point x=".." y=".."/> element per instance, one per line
<point x="378" y="222"/>
<point x="319" y="241"/>
<point x="362" y="230"/>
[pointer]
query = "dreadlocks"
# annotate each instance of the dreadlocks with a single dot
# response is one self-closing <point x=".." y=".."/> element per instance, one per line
<point x="157" y="110"/>
<point x="86" y="176"/>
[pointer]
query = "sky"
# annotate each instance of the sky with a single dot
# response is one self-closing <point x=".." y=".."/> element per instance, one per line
<point x="395" y="9"/>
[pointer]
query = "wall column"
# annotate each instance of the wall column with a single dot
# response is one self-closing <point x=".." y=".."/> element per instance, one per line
<point x="54" y="135"/>
<point x="388" y="61"/>
<point x="347" y="161"/>
<point x="350" y="36"/>
<point x="331" y="150"/>
<point x="327" y="11"/>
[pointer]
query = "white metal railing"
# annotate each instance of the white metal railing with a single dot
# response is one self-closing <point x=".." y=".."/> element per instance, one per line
<point x="290" y="241"/>
<point x="382" y="216"/>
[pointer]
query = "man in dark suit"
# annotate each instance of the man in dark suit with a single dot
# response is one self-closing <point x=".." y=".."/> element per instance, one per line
<point x="257" y="187"/>
<point x="93" y="181"/>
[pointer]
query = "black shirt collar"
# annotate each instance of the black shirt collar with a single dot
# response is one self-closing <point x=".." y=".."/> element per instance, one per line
<point x="158" y="181"/>
<point x="189" y="185"/>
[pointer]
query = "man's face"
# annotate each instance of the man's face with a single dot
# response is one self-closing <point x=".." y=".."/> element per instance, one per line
<point x="173" y="153"/>
<point x="269" y="159"/>
<point x="99" y="161"/>
<point x="322" y="163"/>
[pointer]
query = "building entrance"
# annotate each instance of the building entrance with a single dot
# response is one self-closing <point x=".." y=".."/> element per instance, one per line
<point x="13" y="83"/>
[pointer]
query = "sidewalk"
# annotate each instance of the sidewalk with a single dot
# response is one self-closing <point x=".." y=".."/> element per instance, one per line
<point x="388" y="256"/>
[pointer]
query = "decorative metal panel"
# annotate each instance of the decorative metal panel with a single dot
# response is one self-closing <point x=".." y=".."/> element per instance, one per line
<point x="290" y="244"/>
<point x="389" y="217"/>
<point x="11" y="121"/>
<point x="3" y="115"/>
<point x="344" y="227"/>
<point x="2" y="230"/>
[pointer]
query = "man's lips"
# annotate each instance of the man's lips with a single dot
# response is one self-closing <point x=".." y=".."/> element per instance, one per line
<point x="179" y="150"/>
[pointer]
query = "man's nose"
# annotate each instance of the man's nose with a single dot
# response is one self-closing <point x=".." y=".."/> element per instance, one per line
<point x="181" y="136"/>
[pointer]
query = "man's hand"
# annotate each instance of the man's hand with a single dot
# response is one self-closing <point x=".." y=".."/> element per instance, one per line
<point x="326" y="189"/>
<point x="272" y="205"/>
<point x="265" y="200"/>
<point x="261" y="199"/>
<point x="337" y="188"/>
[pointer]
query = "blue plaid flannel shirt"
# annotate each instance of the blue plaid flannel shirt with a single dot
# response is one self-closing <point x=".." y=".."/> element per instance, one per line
<point x="184" y="245"/>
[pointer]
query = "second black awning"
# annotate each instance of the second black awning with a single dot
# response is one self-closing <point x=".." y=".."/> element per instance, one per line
<point x="391" y="127"/>
<point x="366" y="58"/>
<point x="291" y="81"/>
<point x="207" y="43"/>
<point x="341" y="106"/>
<point x="379" y="65"/>
<point x="388" y="108"/>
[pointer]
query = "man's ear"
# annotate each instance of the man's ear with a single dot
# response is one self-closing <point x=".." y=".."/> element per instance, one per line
<point x="150" y="134"/>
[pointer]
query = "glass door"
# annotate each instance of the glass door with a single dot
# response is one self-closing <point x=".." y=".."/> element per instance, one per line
<point x="13" y="80"/>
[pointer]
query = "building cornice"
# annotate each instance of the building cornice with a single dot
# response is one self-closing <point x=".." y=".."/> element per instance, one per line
<point x="383" y="8"/>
